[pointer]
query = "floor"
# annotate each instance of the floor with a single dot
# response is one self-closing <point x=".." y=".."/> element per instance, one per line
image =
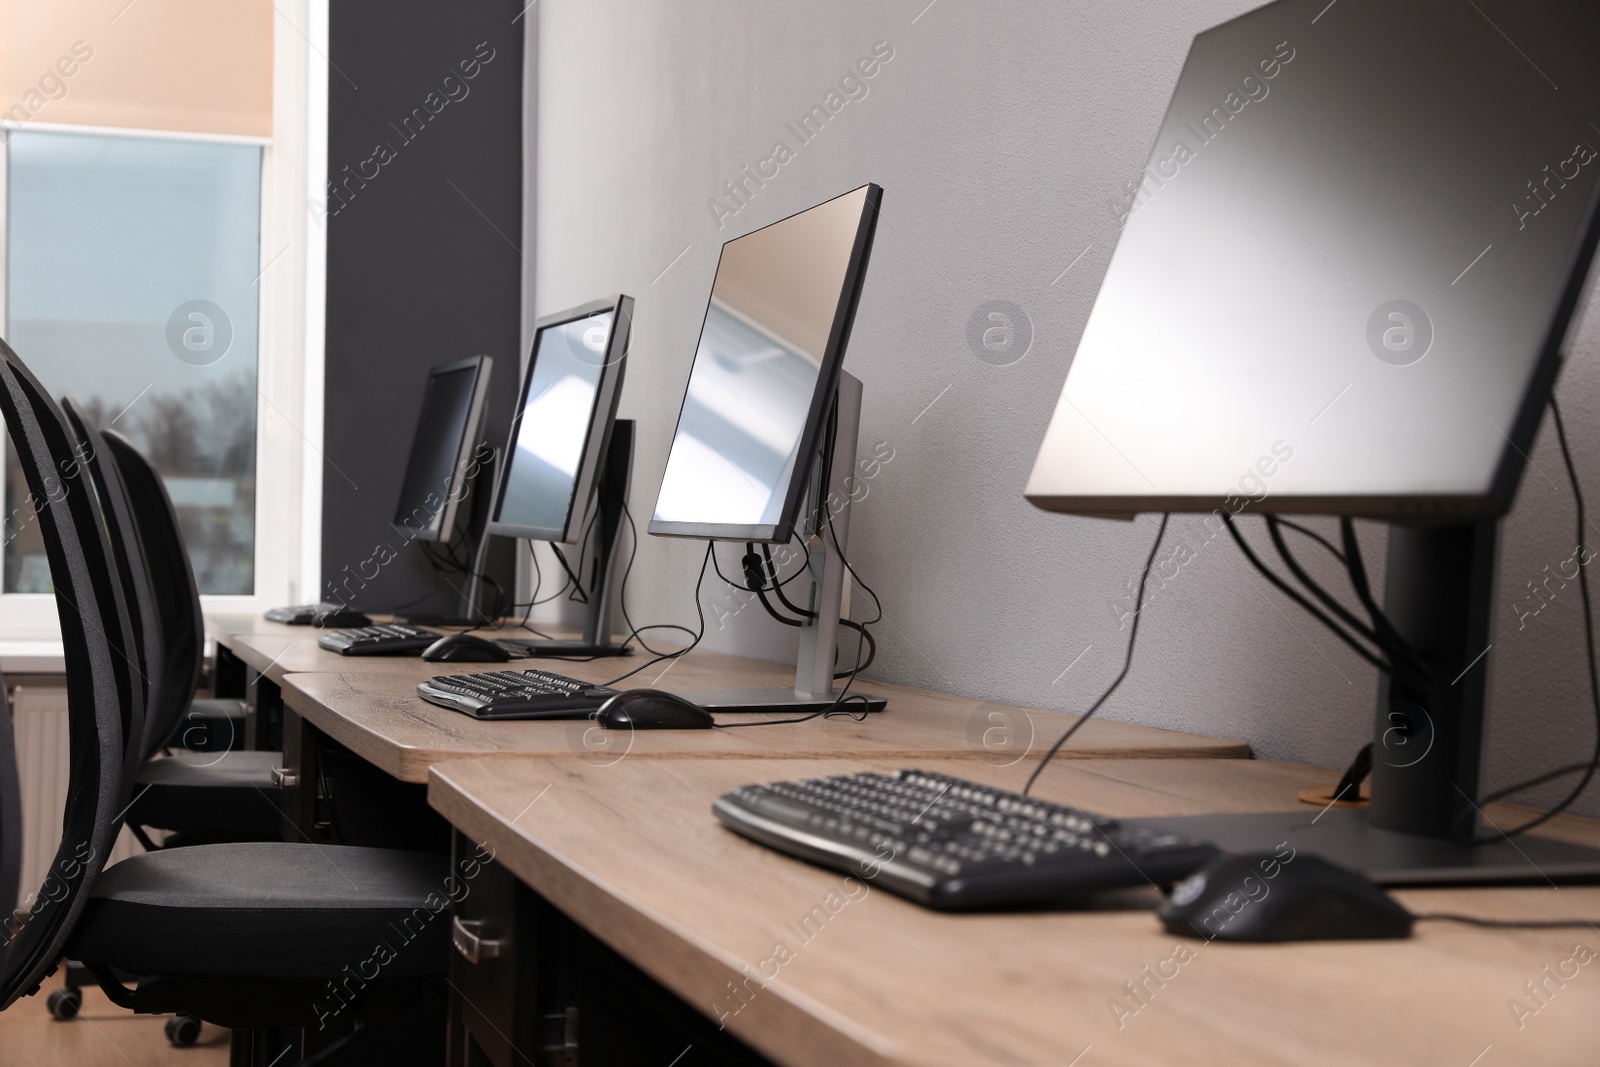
<point x="103" y="1035"/>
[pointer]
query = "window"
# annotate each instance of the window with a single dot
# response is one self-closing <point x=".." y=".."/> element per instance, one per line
<point x="131" y="287"/>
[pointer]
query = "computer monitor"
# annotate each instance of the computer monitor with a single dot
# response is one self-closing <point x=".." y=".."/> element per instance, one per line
<point x="1344" y="284"/>
<point x="751" y="443"/>
<point x="438" y="471"/>
<point x="568" y="458"/>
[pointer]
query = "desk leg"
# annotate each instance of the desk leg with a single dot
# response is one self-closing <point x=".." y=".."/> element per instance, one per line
<point x="263" y="713"/>
<point x="297" y="793"/>
<point x="227" y="674"/>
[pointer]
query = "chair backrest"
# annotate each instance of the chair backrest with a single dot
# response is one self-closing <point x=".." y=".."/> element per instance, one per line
<point x="136" y="580"/>
<point x="10" y="818"/>
<point x="105" y="700"/>
<point x="177" y="597"/>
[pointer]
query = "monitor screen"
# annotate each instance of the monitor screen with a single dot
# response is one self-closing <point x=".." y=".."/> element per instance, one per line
<point x="570" y="379"/>
<point x="1346" y="272"/>
<point x="765" y="367"/>
<point x="432" y="487"/>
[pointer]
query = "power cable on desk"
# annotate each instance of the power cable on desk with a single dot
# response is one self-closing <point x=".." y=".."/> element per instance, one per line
<point x="845" y="697"/>
<point x="1593" y="763"/>
<point x="635" y="631"/>
<point x="1127" y="662"/>
<point x="1507" y="924"/>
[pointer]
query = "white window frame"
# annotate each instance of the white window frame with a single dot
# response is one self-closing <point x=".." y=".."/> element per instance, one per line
<point x="289" y="373"/>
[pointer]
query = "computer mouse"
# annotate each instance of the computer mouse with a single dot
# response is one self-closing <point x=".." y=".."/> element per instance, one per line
<point x="465" y="648"/>
<point x="1282" y="896"/>
<point x="652" y="709"/>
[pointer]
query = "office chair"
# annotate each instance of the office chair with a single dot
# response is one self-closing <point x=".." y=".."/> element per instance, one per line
<point x="10" y="820"/>
<point x="198" y="723"/>
<point x="216" y="794"/>
<point x="194" y="803"/>
<point x="257" y="936"/>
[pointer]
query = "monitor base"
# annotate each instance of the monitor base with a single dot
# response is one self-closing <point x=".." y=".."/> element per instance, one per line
<point x="1342" y="836"/>
<point x="779" y="700"/>
<point x="564" y="649"/>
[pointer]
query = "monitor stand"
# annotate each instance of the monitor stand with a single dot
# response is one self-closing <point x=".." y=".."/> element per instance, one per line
<point x="1417" y="830"/>
<point x="829" y="484"/>
<point x="611" y="493"/>
<point x="480" y="494"/>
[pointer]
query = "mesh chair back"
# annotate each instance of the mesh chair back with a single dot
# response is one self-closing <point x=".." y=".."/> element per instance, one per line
<point x="177" y="597"/>
<point x="136" y="585"/>
<point x="105" y="700"/>
<point x="10" y="817"/>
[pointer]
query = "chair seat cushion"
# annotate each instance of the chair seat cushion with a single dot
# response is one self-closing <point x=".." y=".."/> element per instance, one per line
<point x="211" y="724"/>
<point x="268" y="910"/>
<point x="217" y="791"/>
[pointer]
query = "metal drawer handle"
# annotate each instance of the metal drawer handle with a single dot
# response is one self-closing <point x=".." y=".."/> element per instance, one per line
<point x="470" y="942"/>
<point x="284" y="778"/>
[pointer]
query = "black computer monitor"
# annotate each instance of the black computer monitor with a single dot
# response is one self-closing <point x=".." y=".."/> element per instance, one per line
<point x="765" y="373"/>
<point x="438" y="472"/>
<point x="761" y="392"/>
<point x="1344" y="285"/>
<point x="568" y="458"/>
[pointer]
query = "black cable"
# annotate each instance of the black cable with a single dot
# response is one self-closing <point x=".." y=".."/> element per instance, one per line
<point x="872" y="646"/>
<point x="767" y="550"/>
<point x="533" y="600"/>
<point x="1505" y="924"/>
<point x="877" y="605"/>
<point x="1354" y="775"/>
<point x="1393" y="641"/>
<point x="1292" y="594"/>
<point x="844" y="697"/>
<point x="1395" y="646"/>
<point x="761" y="595"/>
<point x="634" y="632"/>
<point x="1548" y="776"/>
<point x="778" y="588"/>
<point x="1588" y="643"/>
<point x="1327" y="598"/>
<point x="1127" y="662"/>
<point x="1307" y="531"/>
<point x="578" y="592"/>
<point x="700" y="613"/>
<point x="754" y="585"/>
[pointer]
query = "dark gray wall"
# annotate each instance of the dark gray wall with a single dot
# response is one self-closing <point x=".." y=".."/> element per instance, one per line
<point x="423" y="214"/>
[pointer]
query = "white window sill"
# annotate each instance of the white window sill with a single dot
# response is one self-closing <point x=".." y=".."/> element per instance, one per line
<point x="18" y="656"/>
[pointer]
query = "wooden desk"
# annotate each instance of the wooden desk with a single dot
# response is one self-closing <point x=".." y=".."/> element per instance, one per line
<point x="274" y="651"/>
<point x="379" y="717"/>
<point x="632" y="853"/>
<point x="319" y="707"/>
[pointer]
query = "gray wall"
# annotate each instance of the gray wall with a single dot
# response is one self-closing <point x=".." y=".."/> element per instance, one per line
<point x="999" y="132"/>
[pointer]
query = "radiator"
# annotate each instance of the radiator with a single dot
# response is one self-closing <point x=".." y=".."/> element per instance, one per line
<point x="39" y="717"/>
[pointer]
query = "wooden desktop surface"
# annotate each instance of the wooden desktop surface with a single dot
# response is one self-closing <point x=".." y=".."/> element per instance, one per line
<point x="379" y="717"/>
<point x="855" y="975"/>
<point x="275" y="650"/>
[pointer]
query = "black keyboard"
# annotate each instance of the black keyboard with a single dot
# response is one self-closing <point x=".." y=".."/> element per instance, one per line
<point x="392" y="639"/>
<point x="324" y="615"/>
<point x="952" y="844"/>
<point x="516" y="695"/>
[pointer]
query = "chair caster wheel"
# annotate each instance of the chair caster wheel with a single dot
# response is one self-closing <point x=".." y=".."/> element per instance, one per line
<point x="183" y="1030"/>
<point x="64" y="1004"/>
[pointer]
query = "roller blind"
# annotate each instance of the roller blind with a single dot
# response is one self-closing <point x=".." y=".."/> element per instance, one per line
<point x="196" y="66"/>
